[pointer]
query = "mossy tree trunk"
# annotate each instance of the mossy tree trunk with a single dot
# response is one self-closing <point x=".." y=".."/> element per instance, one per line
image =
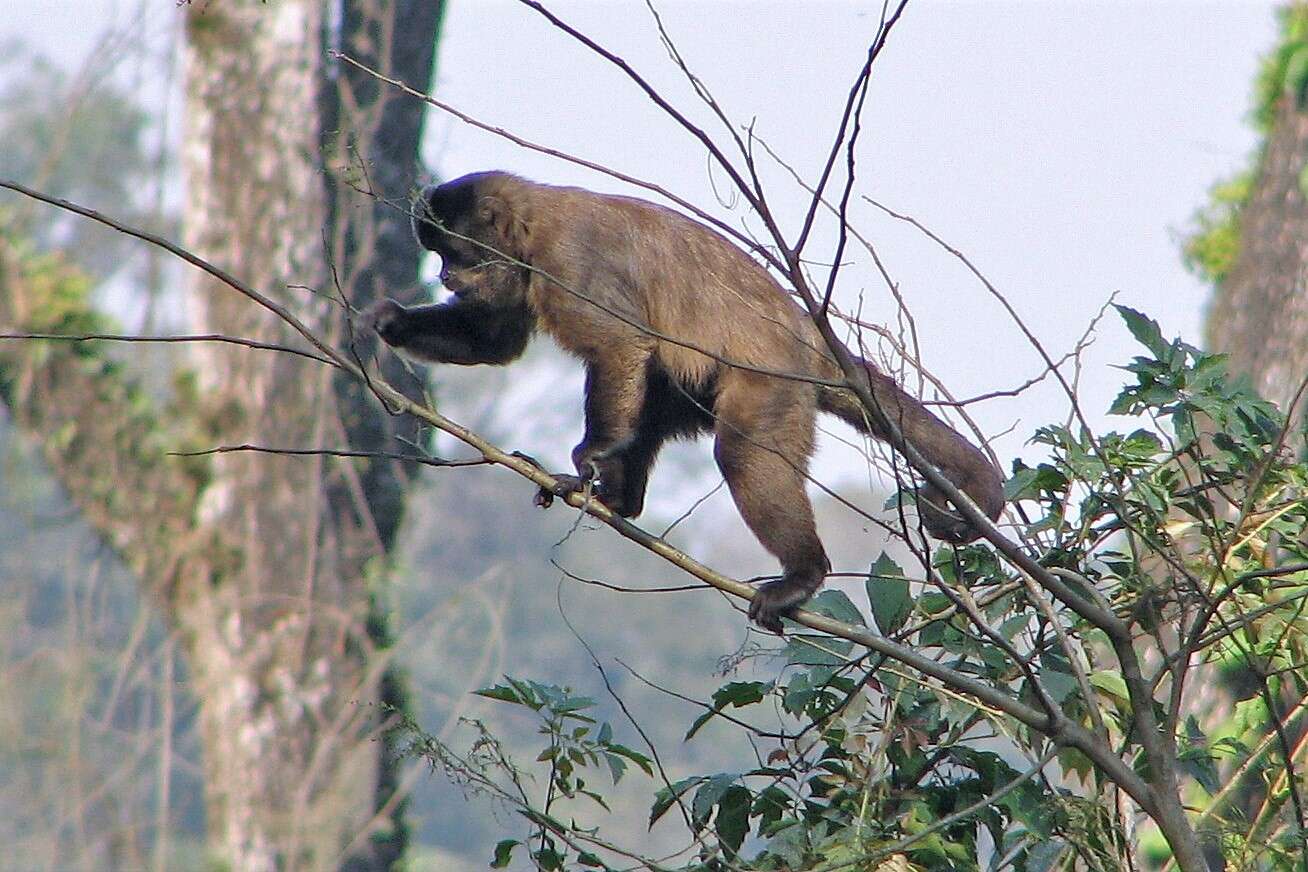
<point x="295" y="172"/>
<point x="284" y="654"/>
<point x="1253" y="245"/>
<point x="1259" y="313"/>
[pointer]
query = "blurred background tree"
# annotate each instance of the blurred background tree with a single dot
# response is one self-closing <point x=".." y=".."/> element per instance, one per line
<point x="264" y="567"/>
<point x="1253" y="238"/>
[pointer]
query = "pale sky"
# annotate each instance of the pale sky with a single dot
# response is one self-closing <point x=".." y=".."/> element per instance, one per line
<point x="1062" y="146"/>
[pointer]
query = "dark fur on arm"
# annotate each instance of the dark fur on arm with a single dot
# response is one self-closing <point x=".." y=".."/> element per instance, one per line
<point x="462" y="331"/>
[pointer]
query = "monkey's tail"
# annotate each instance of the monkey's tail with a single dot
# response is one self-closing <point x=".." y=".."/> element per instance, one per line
<point x="962" y="462"/>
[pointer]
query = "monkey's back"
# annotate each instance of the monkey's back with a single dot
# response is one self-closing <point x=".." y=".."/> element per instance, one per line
<point x="659" y="279"/>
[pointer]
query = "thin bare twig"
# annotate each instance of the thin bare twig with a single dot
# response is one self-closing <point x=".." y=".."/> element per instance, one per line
<point x="608" y="686"/>
<point x="620" y="588"/>
<point x="718" y="223"/>
<point x="194" y="337"/>
<point x="195" y="260"/>
<point x="333" y="452"/>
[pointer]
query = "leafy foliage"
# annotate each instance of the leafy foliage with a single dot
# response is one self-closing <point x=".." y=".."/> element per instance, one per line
<point x="1213" y="244"/>
<point x="574" y="744"/>
<point x="1284" y="71"/>
<point x="1189" y="530"/>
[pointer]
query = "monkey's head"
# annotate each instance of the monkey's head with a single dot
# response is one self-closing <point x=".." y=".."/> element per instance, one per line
<point x="475" y="224"/>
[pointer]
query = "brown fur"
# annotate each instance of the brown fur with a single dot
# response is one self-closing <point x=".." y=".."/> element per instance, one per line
<point x="653" y="303"/>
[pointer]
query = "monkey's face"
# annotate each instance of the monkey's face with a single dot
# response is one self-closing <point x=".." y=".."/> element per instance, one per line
<point x="459" y="224"/>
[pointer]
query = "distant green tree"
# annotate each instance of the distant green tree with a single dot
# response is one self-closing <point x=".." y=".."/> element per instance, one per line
<point x="84" y="138"/>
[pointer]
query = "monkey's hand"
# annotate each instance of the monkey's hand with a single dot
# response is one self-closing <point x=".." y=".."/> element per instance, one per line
<point x="591" y="479"/>
<point x="565" y="484"/>
<point x="387" y="318"/>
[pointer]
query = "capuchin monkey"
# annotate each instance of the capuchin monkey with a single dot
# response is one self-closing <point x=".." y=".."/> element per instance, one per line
<point x="681" y="333"/>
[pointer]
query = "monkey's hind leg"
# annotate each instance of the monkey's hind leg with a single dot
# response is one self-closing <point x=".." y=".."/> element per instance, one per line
<point x="762" y="449"/>
<point x="615" y="396"/>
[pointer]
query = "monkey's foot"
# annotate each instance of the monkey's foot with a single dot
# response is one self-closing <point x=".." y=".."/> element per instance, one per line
<point x="565" y="484"/>
<point x="545" y="496"/>
<point x="776" y="600"/>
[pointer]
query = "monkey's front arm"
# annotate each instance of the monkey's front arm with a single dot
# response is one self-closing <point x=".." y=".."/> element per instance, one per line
<point x="462" y="331"/>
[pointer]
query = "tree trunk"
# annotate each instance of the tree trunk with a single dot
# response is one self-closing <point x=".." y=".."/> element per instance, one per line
<point x="1259" y="315"/>
<point x="1259" y="312"/>
<point x="263" y="563"/>
<point x="277" y="641"/>
<point x="284" y="654"/>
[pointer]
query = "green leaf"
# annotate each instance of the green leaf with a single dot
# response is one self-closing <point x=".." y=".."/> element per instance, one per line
<point x="1014" y="625"/>
<point x="1021" y="485"/>
<point x="505" y="694"/>
<point x="1110" y="682"/>
<point x="933" y="603"/>
<point x="700" y="721"/>
<point x="798" y="693"/>
<point x="741" y="693"/>
<point x="888" y="593"/>
<point x="732" y="821"/>
<point x="548" y="859"/>
<point x="1202" y="769"/>
<point x="835" y="604"/>
<point x="995" y="659"/>
<point x="789" y="842"/>
<point x="504" y="853"/>
<point x="599" y="800"/>
<point x="573" y="703"/>
<point x="1296" y="76"/>
<point x="932" y="635"/>
<point x="527" y="692"/>
<point x="1042" y="856"/>
<point x="666" y="796"/>
<point x="1196" y="759"/>
<point x="770" y="804"/>
<point x="811" y="650"/>
<point x="708" y="795"/>
<point x="735" y="693"/>
<point x="634" y="756"/>
<point x="1056" y="677"/>
<point x="617" y="766"/>
<point x="1145" y="330"/>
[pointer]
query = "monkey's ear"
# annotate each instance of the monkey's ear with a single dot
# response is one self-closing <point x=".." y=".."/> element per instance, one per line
<point x="509" y="225"/>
